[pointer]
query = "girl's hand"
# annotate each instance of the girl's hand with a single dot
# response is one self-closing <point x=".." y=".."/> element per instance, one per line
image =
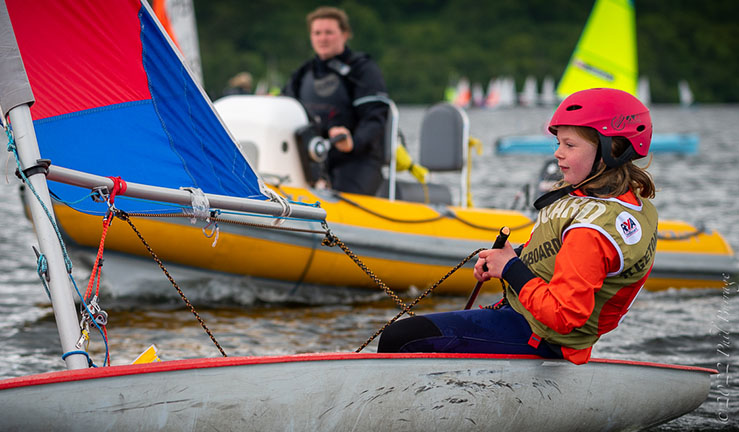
<point x="346" y="145"/>
<point x="495" y="259"/>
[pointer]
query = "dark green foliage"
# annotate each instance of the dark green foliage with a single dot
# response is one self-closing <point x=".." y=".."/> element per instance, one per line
<point x="422" y="45"/>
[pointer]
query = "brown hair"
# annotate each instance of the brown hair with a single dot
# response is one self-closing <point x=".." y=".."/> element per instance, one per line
<point x="331" y="13"/>
<point x="613" y="182"/>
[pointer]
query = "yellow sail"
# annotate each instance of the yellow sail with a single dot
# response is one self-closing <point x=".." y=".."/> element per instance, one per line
<point x="605" y="55"/>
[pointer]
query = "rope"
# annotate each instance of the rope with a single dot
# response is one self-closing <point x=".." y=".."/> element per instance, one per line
<point x="97" y="266"/>
<point x="85" y="336"/>
<point x="450" y="214"/>
<point x="331" y="240"/>
<point x="515" y="228"/>
<point x="390" y="218"/>
<point x="89" y="360"/>
<point x="201" y="210"/>
<point x="199" y="203"/>
<point x="684" y="236"/>
<point x="407" y="309"/>
<point x="13" y="149"/>
<point x="42" y="267"/>
<point x="124" y="216"/>
<point x="218" y="219"/>
<point x="286" y="210"/>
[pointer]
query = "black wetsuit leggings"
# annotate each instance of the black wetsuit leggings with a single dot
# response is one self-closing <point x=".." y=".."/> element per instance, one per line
<point x="493" y="331"/>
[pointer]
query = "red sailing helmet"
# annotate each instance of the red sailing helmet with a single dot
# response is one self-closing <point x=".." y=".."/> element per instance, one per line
<point x="612" y="113"/>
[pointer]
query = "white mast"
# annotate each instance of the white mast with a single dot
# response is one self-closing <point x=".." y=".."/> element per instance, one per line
<point x="67" y="320"/>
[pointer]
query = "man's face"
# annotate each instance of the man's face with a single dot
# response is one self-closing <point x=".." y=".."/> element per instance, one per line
<point x="327" y="38"/>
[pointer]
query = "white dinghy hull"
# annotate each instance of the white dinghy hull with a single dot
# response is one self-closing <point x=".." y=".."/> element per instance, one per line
<point x="357" y="392"/>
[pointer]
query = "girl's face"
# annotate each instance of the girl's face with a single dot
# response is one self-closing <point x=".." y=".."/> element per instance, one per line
<point x="327" y="38"/>
<point x="575" y="155"/>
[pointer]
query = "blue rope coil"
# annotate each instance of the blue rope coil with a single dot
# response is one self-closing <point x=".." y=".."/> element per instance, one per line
<point x="11" y="140"/>
<point x="89" y="360"/>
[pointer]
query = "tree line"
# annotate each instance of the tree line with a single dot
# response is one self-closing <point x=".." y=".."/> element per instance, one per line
<point x="423" y="45"/>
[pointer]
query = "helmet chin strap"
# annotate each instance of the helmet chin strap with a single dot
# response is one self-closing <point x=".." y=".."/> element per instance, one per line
<point x="603" y="151"/>
<point x="606" y="143"/>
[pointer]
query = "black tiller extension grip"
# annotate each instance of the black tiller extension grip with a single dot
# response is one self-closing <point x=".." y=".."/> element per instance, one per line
<point x="498" y="244"/>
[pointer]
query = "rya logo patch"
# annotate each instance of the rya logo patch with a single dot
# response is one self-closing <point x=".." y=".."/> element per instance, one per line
<point x="629" y="228"/>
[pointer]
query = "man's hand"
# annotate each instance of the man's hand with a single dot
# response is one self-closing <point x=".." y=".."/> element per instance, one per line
<point x="346" y="145"/>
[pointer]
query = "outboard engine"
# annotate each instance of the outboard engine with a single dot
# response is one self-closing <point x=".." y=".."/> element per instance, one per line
<point x="265" y="128"/>
<point x="313" y="150"/>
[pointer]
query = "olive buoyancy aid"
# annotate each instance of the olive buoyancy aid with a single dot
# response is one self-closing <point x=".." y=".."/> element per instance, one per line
<point x="632" y="229"/>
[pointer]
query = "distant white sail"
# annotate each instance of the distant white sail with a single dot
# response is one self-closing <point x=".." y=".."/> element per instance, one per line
<point x="643" y="92"/>
<point x="478" y="95"/>
<point x="529" y="96"/>
<point x="492" y="97"/>
<point x="548" y="96"/>
<point x="686" y="95"/>
<point x="507" y="92"/>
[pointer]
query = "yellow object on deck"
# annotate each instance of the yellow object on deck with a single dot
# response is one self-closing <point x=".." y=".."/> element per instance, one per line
<point x="405" y="163"/>
<point x="477" y="145"/>
<point x="148" y="356"/>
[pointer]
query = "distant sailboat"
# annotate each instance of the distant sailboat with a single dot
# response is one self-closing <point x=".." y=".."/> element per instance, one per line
<point x="492" y="96"/>
<point x="605" y="56"/>
<point x="507" y="92"/>
<point x="686" y="95"/>
<point x="464" y="95"/>
<point x="478" y="96"/>
<point x="610" y="29"/>
<point x="450" y="92"/>
<point x="548" y="95"/>
<point x="643" y="92"/>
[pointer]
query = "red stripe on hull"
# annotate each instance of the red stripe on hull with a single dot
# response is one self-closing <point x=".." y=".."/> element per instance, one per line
<point x="176" y="365"/>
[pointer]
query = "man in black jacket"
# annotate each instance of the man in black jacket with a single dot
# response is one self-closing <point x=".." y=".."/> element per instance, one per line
<point x="331" y="86"/>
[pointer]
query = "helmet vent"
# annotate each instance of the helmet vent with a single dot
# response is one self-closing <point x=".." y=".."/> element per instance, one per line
<point x="574" y="107"/>
<point x="640" y="128"/>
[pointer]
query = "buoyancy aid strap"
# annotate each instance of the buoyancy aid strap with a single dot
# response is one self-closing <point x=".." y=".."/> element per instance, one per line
<point x="552" y="196"/>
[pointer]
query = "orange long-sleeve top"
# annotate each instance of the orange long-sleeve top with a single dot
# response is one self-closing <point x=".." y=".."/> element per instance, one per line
<point x="567" y="301"/>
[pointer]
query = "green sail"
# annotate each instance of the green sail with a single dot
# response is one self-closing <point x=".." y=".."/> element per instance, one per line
<point x="605" y="55"/>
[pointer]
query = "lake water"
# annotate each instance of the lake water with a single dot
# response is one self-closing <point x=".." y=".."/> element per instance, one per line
<point x="690" y="327"/>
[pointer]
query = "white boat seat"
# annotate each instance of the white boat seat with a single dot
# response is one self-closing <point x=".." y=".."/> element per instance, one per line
<point x="444" y="136"/>
<point x="443" y="140"/>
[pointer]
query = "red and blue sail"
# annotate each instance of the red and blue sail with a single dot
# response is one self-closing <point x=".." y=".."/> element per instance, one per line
<point x="113" y="98"/>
